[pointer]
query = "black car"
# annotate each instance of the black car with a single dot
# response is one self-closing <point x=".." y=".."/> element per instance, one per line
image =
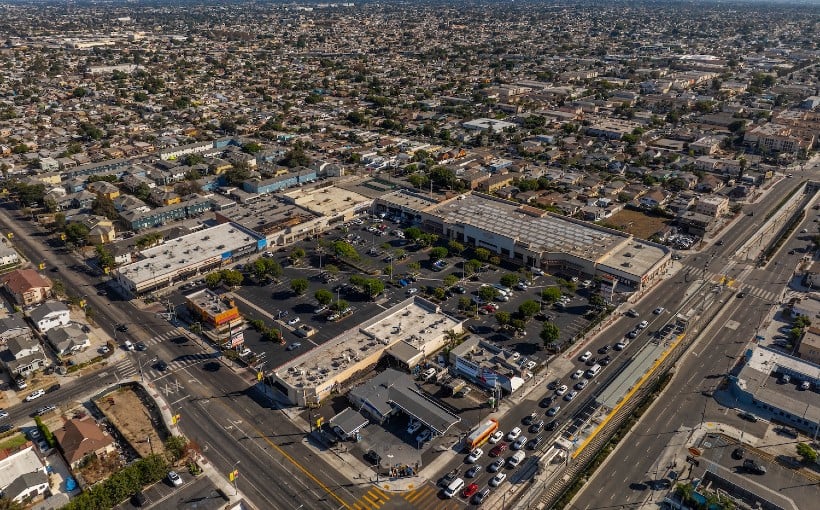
<point x="122" y="327"/>
<point x="737" y="453"/>
<point x="473" y="471"/>
<point x="753" y="467"/>
<point x="447" y="479"/>
<point x="5" y="428"/>
<point x="138" y="499"/>
<point x="604" y="349"/>
<point x="472" y="328"/>
<point x="605" y="361"/>
<point x="530" y="419"/>
<point x="460" y="290"/>
<point x="140" y="346"/>
<point x="546" y="402"/>
<point x="535" y="428"/>
<point x="534" y="443"/>
<point x="552" y="425"/>
<point x="161" y="366"/>
<point x="372" y="457"/>
<point x="591" y="361"/>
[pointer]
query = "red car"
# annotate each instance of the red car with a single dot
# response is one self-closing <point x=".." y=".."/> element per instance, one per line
<point x="470" y="490"/>
<point x="498" y="449"/>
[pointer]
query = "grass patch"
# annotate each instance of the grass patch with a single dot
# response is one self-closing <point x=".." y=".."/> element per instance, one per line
<point x="13" y="442"/>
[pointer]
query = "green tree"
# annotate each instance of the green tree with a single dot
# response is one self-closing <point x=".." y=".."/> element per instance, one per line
<point x="482" y="254"/>
<point x="297" y="254"/>
<point x="438" y="253"/>
<point x="176" y="446"/>
<point x="551" y="294"/>
<point x="105" y="258"/>
<point x="251" y="147"/>
<point x="450" y="280"/>
<point x="487" y="293"/>
<point x="412" y="233"/>
<point x="549" y="333"/>
<point x="104" y="206"/>
<point x="807" y="453"/>
<point x="455" y="247"/>
<point x="464" y="303"/>
<point x="502" y="318"/>
<point x="272" y="335"/>
<point x="340" y="305"/>
<point x="345" y="250"/>
<point x="518" y="324"/>
<point x="323" y="296"/>
<point x="232" y="278"/>
<point x="76" y="233"/>
<point x="299" y="285"/>
<point x="212" y="280"/>
<point x="439" y="293"/>
<point x="374" y="287"/>
<point x="529" y="308"/>
<point x="509" y="279"/>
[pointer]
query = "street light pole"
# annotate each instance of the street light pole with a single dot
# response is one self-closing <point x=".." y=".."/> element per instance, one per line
<point x="142" y="363"/>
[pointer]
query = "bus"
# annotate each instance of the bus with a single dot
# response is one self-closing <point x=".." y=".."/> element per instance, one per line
<point x="482" y="433"/>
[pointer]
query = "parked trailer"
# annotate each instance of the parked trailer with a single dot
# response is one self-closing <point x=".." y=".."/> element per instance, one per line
<point x="482" y="433"/>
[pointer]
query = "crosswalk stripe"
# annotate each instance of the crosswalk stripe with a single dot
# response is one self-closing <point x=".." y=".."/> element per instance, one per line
<point x="356" y="506"/>
<point x="374" y="501"/>
<point x="381" y="493"/>
<point x="420" y="494"/>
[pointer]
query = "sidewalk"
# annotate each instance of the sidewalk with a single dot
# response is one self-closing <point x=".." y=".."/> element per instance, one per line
<point x="217" y="478"/>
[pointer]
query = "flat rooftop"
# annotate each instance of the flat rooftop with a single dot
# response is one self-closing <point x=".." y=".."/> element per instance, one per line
<point x="207" y="299"/>
<point x="636" y="257"/>
<point x="759" y="376"/>
<point x="327" y="201"/>
<point x="408" y="200"/>
<point x="186" y="251"/>
<point x="19" y="464"/>
<point x="547" y="233"/>
<point x="268" y="214"/>
<point x="414" y="320"/>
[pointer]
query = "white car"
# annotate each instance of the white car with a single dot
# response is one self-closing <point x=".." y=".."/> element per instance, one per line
<point x="571" y="395"/>
<point x="585" y="356"/>
<point x="37" y="394"/>
<point x="620" y="346"/>
<point x="659" y="310"/>
<point x="513" y="434"/>
<point x="294" y="321"/>
<point x="412" y="291"/>
<point x="498" y="479"/>
<point x="577" y="374"/>
<point x="519" y="443"/>
<point x="562" y="389"/>
<point x="4" y="413"/>
<point x="496" y="437"/>
<point x="643" y="324"/>
<point x="174" y="478"/>
<point x="530" y="365"/>
<point x="474" y="456"/>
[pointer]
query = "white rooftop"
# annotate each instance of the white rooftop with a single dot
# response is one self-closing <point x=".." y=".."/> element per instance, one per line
<point x="11" y="468"/>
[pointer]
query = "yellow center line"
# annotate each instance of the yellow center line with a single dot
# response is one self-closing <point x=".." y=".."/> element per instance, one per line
<point x="292" y="460"/>
<point x="628" y="395"/>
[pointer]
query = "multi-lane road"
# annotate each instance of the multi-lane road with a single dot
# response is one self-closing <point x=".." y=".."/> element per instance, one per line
<point x="683" y="405"/>
<point x="223" y="411"/>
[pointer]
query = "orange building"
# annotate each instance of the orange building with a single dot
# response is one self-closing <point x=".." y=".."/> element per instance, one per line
<point x="211" y="308"/>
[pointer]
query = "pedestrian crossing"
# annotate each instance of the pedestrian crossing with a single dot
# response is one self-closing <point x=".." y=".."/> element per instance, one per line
<point x="130" y="365"/>
<point x="750" y="290"/>
<point x="426" y="498"/>
<point x="371" y="500"/>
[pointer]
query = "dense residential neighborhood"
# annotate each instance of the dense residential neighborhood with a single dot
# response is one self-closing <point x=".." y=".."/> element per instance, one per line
<point x="401" y="226"/>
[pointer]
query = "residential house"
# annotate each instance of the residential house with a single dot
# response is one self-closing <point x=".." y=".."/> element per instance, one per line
<point x="22" y="474"/>
<point x="696" y="223"/>
<point x="130" y="203"/>
<point x="68" y="340"/>
<point x="705" y="146"/>
<point x="809" y="346"/>
<point x="101" y="230"/>
<point x="23" y="355"/>
<point x="709" y="184"/>
<point x="48" y="315"/>
<point x="12" y="326"/>
<point x="83" y="199"/>
<point x="712" y="205"/>
<point x="27" y="287"/>
<point x="79" y="438"/>
<point x="681" y="202"/>
<point x="162" y="197"/>
<point x="496" y="182"/>
<point x="653" y="198"/>
<point x="8" y="255"/>
<point x="104" y="189"/>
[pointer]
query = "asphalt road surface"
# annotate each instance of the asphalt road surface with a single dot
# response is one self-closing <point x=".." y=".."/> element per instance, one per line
<point x="700" y="369"/>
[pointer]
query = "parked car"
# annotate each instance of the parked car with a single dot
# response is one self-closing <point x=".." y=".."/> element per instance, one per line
<point x="174" y="478"/>
<point x="553" y="410"/>
<point x="513" y="434"/>
<point x="754" y="467"/>
<point x="498" y="450"/>
<point x="293" y="346"/>
<point x="473" y="471"/>
<point x="498" y="479"/>
<point x="585" y="356"/>
<point x="495" y="466"/>
<point x="563" y="388"/>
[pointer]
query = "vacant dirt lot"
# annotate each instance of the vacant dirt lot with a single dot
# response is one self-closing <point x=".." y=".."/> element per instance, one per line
<point x="127" y="413"/>
<point x="637" y="223"/>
